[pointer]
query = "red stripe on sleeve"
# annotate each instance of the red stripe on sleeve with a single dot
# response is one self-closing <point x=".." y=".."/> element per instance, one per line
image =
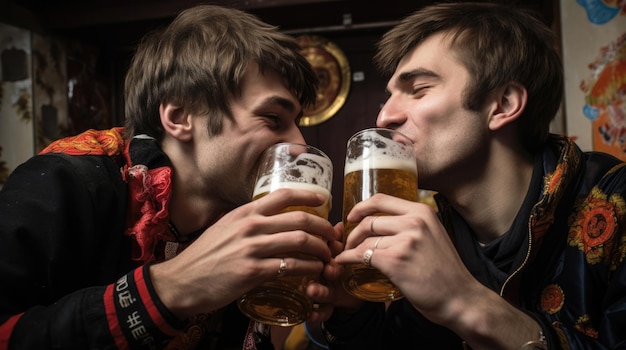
<point x="153" y="311"/>
<point x="6" y="329"/>
<point x="114" y="326"/>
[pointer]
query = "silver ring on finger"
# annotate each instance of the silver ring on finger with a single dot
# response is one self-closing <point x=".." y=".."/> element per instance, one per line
<point x="377" y="241"/>
<point x="367" y="257"/>
<point x="281" y="268"/>
<point x="372" y="224"/>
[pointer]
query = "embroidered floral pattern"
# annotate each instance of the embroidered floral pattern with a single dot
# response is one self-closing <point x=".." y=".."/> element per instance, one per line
<point x="594" y="224"/>
<point x="150" y="190"/>
<point x="94" y="142"/>
<point x="584" y="325"/>
<point x="552" y="299"/>
<point x="553" y="181"/>
<point x="543" y="215"/>
<point x="149" y="193"/>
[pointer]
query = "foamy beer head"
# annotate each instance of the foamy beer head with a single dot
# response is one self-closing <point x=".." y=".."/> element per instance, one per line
<point x="379" y="148"/>
<point x="287" y="165"/>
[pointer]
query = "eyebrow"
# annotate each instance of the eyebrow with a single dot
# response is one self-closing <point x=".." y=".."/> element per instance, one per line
<point x="283" y="102"/>
<point x="416" y="73"/>
<point x="411" y="75"/>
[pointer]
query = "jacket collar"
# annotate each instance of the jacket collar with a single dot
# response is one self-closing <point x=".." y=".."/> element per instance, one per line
<point x="561" y="161"/>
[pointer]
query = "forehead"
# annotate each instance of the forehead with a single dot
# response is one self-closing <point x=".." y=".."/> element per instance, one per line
<point x="434" y="55"/>
<point x="262" y="82"/>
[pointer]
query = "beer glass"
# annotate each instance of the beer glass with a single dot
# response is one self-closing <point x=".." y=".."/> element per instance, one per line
<point x="378" y="160"/>
<point x="282" y="301"/>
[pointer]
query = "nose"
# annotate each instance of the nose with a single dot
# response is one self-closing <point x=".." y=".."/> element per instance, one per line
<point x="294" y="135"/>
<point x="391" y="115"/>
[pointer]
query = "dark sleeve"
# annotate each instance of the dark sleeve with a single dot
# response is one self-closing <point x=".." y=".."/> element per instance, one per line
<point x="64" y="260"/>
<point x="405" y="327"/>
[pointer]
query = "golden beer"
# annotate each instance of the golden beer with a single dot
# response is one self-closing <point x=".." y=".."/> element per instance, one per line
<point x="282" y="300"/>
<point x="382" y="171"/>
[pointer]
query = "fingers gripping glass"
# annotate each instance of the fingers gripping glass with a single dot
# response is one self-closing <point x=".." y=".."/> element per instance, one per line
<point x="282" y="301"/>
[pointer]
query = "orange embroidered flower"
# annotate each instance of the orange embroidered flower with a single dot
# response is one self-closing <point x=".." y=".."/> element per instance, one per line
<point x="552" y="299"/>
<point x="554" y="180"/>
<point x="94" y="142"/>
<point x="543" y="215"/>
<point x="594" y="225"/>
<point x="584" y="325"/>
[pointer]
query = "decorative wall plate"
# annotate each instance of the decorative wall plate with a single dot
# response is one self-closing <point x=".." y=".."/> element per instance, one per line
<point x="333" y="71"/>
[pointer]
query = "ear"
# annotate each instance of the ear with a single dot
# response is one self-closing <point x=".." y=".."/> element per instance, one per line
<point x="176" y="121"/>
<point x="509" y="104"/>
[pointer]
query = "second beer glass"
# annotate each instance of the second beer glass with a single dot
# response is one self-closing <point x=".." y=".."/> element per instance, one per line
<point x="282" y="300"/>
<point x="377" y="161"/>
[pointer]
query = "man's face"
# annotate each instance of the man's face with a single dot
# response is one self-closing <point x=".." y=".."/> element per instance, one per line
<point x="426" y="103"/>
<point x="265" y="113"/>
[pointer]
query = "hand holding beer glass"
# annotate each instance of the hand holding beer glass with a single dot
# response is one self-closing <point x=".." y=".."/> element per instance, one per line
<point x="378" y="160"/>
<point x="282" y="301"/>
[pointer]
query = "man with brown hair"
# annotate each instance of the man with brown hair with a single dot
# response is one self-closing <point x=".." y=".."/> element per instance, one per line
<point x="144" y="237"/>
<point x="527" y="249"/>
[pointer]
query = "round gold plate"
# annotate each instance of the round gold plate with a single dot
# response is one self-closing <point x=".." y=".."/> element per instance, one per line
<point x="333" y="71"/>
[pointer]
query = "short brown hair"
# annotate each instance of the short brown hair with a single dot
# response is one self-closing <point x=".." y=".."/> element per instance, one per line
<point x="198" y="62"/>
<point x="498" y="45"/>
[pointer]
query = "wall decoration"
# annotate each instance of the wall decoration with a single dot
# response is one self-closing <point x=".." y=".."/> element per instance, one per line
<point x="16" y="126"/>
<point x="50" y="90"/>
<point x="594" y="56"/>
<point x="333" y="71"/>
<point x="605" y="97"/>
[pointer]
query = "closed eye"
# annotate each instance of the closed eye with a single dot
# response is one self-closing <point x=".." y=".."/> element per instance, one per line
<point x="416" y="82"/>
<point x="277" y="111"/>
<point x="419" y="91"/>
<point x="274" y="121"/>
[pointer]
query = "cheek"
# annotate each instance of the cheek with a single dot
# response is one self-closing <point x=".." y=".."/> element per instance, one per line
<point x="250" y="161"/>
<point x="443" y="133"/>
